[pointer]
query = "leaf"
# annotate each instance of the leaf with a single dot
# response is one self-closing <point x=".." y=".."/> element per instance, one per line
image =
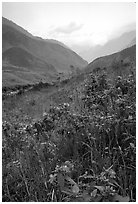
<point x="100" y="188"/>
<point x="112" y="173"/>
<point x="52" y="178"/>
<point x="70" y="180"/>
<point x="97" y="199"/>
<point x="118" y="198"/>
<point x="86" y="197"/>
<point x="93" y="194"/>
<point x="132" y="145"/>
<point x="75" y="189"/>
<point x="60" y="179"/>
<point x="67" y="191"/>
<point x="65" y="168"/>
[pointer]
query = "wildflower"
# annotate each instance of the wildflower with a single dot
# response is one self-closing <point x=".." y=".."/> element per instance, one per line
<point x="130" y="117"/>
<point x="111" y="173"/>
<point x="52" y="178"/>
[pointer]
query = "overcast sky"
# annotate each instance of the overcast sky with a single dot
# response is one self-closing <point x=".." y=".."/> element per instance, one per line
<point x="73" y="23"/>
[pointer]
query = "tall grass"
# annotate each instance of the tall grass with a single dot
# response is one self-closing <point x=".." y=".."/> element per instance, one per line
<point x="84" y="150"/>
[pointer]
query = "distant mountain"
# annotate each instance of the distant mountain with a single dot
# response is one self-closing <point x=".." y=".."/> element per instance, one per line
<point x="110" y="47"/>
<point x="42" y="57"/>
<point x="120" y="63"/>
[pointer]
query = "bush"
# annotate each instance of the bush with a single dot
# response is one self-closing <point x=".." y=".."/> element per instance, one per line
<point x="88" y="155"/>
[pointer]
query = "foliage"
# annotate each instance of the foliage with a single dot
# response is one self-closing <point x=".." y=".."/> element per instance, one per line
<point x="88" y="155"/>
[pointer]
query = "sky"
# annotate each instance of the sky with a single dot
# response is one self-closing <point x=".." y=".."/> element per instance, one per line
<point x="74" y="23"/>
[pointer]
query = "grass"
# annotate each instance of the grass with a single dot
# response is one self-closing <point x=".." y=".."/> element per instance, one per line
<point x="78" y="143"/>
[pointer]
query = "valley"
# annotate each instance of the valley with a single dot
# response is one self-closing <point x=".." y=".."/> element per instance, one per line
<point x="68" y="127"/>
<point x="36" y="59"/>
<point x="61" y="126"/>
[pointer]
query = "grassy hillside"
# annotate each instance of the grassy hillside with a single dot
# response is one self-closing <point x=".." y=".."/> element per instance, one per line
<point x="52" y="53"/>
<point x="75" y="142"/>
<point x="120" y="63"/>
<point x="20" y="67"/>
<point x="69" y="141"/>
<point x="22" y="58"/>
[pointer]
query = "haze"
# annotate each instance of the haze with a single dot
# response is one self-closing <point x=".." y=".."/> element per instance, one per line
<point x="75" y="24"/>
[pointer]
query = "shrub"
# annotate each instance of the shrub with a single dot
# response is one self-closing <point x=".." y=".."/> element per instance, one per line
<point x="86" y="155"/>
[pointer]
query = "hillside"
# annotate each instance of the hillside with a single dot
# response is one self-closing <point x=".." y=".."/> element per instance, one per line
<point x="51" y="52"/>
<point x="75" y="142"/>
<point x="120" y="63"/>
<point x="115" y="45"/>
<point x="68" y="110"/>
<point x="22" y="58"/>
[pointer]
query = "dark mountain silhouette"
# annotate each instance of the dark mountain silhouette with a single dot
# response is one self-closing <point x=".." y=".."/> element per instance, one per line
<point x="112" y="46"/>
<point x="120" y="63"/>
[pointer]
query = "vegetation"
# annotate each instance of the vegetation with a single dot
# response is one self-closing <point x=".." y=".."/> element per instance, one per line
<point x="83" y="151"/>
<point x="20" y="89"/>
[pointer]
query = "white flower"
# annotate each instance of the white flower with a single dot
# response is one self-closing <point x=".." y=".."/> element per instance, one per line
<point x="130" y="117"/>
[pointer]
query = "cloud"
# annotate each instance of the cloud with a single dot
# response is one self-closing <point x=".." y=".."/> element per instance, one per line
<point x="70" y="28"/>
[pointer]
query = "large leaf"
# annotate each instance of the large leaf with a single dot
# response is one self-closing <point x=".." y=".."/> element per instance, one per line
<point x="60" y="179"/>
<point x="94" y="193"/>
<point x="75" y="189"/>
<point x="118" y="198"/>
<point x="86" y="196"/>
<point x="100" y="188"/>
<point x="70" y="180"/>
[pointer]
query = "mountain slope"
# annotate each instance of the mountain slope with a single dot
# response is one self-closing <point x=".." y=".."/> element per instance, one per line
<point x="7" y="23"/>
<point x="53" y="53"/>
<point x="120" y="63"/>
<point x="20" y="67"/>
<point x="110" y="47"/>
<point x="22" y="58"/>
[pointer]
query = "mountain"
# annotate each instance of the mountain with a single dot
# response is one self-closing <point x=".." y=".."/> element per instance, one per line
<point x="120" y="63"/>
<point x="44" y="58"/>
<point x="110" y="47"/>
<point x="22" y="58"/>
<point x="20" y="67"/>
<point x="57" y="42"/>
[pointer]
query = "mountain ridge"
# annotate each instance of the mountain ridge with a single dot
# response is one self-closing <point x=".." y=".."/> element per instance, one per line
<point x="44" y="48"/>
<point x="43" y="54"/>
<point x="119" y="63"/>
<point x="114" y="45"/>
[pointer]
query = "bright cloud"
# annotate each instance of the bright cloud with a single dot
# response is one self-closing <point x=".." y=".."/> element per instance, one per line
<point x="67" y="29"/>
<point x="73" y="23"/>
